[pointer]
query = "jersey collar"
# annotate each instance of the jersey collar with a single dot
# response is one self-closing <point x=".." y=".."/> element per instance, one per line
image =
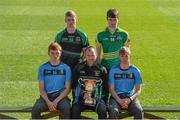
<point x="117" y="30"/>
<point x="95" y="64"/>
<point x="54" y="65"/>
<point x="124" y="69"/>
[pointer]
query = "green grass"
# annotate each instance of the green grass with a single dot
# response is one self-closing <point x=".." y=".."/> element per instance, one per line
<point x="28" y="26"/>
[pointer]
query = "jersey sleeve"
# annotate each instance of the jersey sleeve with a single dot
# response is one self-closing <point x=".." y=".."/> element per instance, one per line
<point x="68" y="74"/>
<point x="59" y="37"/>
<point x="40" y="73"/>
<point x="127" y="42"/>
<point x="138" y="79"/>
<point x="85" y="41"/>
<point x="105" y="77"/>
<point x="111" y="77"/>
<point x="97" y="41"/>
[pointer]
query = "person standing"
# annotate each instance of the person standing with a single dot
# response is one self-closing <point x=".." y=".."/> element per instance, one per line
<point x="111" y="40"/>
<point x="73" y="42"/>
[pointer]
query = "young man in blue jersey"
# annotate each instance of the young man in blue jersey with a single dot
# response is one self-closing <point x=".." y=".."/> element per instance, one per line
<point x="125" y="86"/>
<point x="54" y="85"/>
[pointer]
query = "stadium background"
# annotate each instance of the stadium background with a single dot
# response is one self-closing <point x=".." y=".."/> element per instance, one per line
<point x="28" y="26"/>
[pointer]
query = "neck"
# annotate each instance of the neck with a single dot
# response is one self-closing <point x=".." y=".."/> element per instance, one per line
<point x="124" y="65"/>
<point x="112" y="30"/>
<point x="71" y="29"/>
<point x="90" y="64"/>
<point x="54" y="62"/>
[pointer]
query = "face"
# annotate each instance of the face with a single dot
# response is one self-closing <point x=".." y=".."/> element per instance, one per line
<point x="70" y="21"/>
<point x="112" y="22"/>
<point x="54" y="55"/>
<point x="91" y="56"/>
<point x="125" y="57"/>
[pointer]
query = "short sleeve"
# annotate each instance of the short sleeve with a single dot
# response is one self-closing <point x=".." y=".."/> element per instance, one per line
<point x="97" y="41"/>
<point x="68" y="74"/>
<point x="138" y="79"/>
<point x="111" y="77"/>
<point x="40" y="74"/>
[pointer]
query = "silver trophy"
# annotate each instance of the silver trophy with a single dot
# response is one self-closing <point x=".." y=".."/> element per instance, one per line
<point x="89" y="88"/>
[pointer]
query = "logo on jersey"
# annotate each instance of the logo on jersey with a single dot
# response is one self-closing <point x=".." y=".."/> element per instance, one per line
<point x="82" y="72"/>
<point x="96" y="73"/>
<point x="78" y="39"/>
<point x="112" y="39"/>
<point x="64" y="39"/>
<point x="119" y="76"/>
<point x="71" y="38"/>
<point x="105" y="38"/>
<point x="119" y="38"/>
<point x="54" y="72"/>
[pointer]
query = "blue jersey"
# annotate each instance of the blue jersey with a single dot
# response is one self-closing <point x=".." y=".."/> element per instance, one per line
<point x="124" y="80"/>
<point x="54" y="76"/>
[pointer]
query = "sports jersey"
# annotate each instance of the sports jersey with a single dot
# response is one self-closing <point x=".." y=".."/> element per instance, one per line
<point x="54" y="76"/>
<point x="72" y="45"/>
<point x="124" y="79"/>
<point x="83" y="70"/>
<point x="111" y="43"/>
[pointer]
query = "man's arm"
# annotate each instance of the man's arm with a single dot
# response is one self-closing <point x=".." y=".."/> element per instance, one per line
<point x="64" y="93"/>
<point x="137" y="92"/>
<point x="105" y="78"/>
<point x="114" y="94"/>
<point x="83" y="55"/>
<point x="98" y="48"/>
<point x="43" y="94"/>
<point x="127" y="43"/>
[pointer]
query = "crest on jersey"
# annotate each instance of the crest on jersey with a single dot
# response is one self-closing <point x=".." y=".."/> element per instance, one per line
<point x="96" y="72"/>
<point x="119" y="37"/>
<point x="78" y="39"/>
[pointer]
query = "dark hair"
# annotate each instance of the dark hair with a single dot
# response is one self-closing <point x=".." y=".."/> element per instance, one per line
<point x="70" y="13"/>
<point x="112" y="13"/>
<point x="124" y="49"/>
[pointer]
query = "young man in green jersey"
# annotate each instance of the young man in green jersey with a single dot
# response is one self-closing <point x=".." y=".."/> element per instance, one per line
<point x="73" y="42"/>
<point x="111" y="40"/>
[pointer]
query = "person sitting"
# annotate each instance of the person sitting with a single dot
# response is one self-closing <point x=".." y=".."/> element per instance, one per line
<point x="90" y="76"/>
<point x="123" y="78"/>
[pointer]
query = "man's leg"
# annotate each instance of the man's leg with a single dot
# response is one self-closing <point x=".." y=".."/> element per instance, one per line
<point x="136" y="109"/>
<point x="65" y="107"/>
<point x="39" y="106"/>
<point x="101" y="110"/>
<point x="77" y="108"/>
<point x="114" y="109"/>
<point x="105" y="97"/>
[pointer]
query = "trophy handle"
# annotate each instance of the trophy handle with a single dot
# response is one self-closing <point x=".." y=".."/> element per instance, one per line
<point x="98" y="82"/>
<point x="81" y="82"/>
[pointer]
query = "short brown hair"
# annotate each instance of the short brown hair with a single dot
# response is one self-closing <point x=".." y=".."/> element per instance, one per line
<point x="54" y="46"/>
<point x="113" y="13"/>
<point x="70" y="13"/>
<point x="124" y="49"/>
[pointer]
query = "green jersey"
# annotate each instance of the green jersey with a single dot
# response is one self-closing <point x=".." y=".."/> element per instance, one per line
<point x="72" y="45"/>
<point x="111" y="43"/>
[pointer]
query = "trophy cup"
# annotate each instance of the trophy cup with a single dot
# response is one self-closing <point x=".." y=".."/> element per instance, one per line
<point x="89" y="85"/>
<point x="89" y="88"/>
